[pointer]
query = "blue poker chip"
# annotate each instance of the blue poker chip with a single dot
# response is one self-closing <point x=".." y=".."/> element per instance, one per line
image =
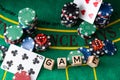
<point x="109" y="47"/>
<point x="86" y="52"/>
<point x="105" y="9"/>
<point x="28" y="43"/>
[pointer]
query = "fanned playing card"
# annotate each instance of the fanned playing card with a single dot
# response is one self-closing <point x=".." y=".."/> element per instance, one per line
<point x="88" y="9"/>
<point x="18" y="59"/>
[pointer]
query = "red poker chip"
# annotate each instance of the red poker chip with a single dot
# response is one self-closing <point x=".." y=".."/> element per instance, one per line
<point x="97" y="44"/>
<point x="22" y="75"/>
<point x="41" y="39"/>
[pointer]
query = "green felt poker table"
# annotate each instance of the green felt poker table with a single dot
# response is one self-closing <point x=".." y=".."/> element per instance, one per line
<point x="64" y="39"/>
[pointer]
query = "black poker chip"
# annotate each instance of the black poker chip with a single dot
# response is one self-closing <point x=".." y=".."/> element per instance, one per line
<point x="4" y="50"/>
<point x="97" y="53"/>
<point x="42" y="48"/>
<point x="67" y="21"/>
<point x="65" y="17"/>
<point x="102" y="24"/>
<point x="69" y="14"/>
<point x="71" y="9"/>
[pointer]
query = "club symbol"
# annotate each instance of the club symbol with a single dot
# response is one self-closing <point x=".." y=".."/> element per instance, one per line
<point x="10" y="63"/>
<point x="31" y="71"/>
<point x="14" y="52"/>
<point x="20" y="67"/>
<point x="24" y="57"/>
<point x="35" y="61"/>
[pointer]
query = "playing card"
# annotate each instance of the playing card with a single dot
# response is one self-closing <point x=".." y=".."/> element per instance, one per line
<point x="88" y="9"/>
<point x="18" y="59"/>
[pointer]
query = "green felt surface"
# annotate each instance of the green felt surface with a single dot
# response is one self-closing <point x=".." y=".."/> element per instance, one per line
<point x="48" y="12"/>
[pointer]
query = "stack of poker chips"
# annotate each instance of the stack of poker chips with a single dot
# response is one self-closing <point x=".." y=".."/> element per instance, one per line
<point x="13" y="34"/>
<point x="97" y="48"/>
<point x="27" y="20"/>
<point x="27" y="24"/>
<point x="104" y="14"/>
<point x="42" y="42"/>
<point x="69" y="14"/>
<point x="86" y="30"/>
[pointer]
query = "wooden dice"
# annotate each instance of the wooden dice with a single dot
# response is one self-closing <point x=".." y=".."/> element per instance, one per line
<point x="49" y="63"/>
<point x="61" y="63"/>
<point x="93" y="61"/>
<point x="76" y="61"/>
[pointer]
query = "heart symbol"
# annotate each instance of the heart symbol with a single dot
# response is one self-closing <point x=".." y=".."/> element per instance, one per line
<point x="83" y="12"/>
<point x="91" y="15"/>
<point x="87" y="1"/>
<point x="95" y="4"/>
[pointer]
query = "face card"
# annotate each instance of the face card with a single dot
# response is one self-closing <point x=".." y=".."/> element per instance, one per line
<point x="18" y="59"/>
<point x="88" y="9"/>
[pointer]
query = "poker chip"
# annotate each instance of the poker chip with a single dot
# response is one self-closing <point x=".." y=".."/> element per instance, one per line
<point x="4" y="50"/>
<point x="86" y="52"/>
<point x="101" y="22"/>
<point x="86" y="28"/>
<point x="42" y="42"/>
<point x="109" y="47"/>
<point x="105" y="9"/>
<point x="28" y="43"/>
<point x="26" y="16"/>
<point x="83" y="36"/>
<point x="13" y="33"/>
<point x="22" y="75"/>
<point x="11" y="42"/>
<point x="96" y="47"/>
<point x="27" y="20"/>
<point x="75" y="53"/>
<point x="70" y="9"/>
<point x="97" y="53"/>
<point x="96" y="44"/>
<point x="103" y="16"/>
<point x="30" y="30"/>
<point x="68" y="23"/>
<point x="69" y="14"/>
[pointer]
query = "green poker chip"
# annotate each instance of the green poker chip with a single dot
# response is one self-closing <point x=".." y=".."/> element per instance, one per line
<point x="26" y="16"/>
<point x="86" y="28"/>
<point x="13" y="32"/>
<point x="74" y="53"/>
<point x="1" y="55"/>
